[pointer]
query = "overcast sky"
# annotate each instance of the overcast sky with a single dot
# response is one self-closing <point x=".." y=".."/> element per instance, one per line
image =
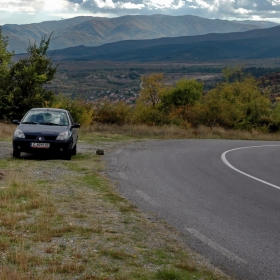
<point x="30" y="11"/>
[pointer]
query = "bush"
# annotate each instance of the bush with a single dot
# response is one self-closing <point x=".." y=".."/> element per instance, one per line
<point x="112" y="113"/>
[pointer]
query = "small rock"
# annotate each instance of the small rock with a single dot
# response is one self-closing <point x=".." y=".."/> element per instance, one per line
<point x="100" y="152"/>
<point x="2" y="175"/>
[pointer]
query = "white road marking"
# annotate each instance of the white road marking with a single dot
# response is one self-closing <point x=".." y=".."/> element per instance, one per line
<point x="223" y="157"/>
<point x="215" y="246"/>
<point x="147" y="198"/>
<point x="123" y="176"/>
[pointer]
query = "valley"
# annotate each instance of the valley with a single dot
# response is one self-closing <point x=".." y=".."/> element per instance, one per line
<point x="120" y="81"/>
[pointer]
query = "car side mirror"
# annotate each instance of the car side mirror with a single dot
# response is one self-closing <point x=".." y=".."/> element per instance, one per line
<point x="76" y="125"/>
<point x="16" y="122"/>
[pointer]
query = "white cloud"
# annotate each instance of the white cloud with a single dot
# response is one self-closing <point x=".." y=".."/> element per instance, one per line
<point x="105" y="4"/>
<point x="32" y="6"/>
<point x="54" y="5"/>
<point x="275" y="2"/>
<point x="164" y="4"/>
<point x="242" y="11"/>
<point x="130" y="6"/>
<point x="203" y="4"/>
<point x="24" y="11"/>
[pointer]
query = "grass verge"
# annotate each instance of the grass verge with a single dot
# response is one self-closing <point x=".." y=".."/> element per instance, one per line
<point x="64" y="220"/>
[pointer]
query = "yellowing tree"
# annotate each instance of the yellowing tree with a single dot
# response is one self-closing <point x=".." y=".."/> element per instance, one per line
<point x="151" y="88"/>
<point x="147" y="109"/>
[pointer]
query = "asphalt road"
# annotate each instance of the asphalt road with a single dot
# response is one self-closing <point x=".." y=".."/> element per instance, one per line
<point x="223" y="195"/>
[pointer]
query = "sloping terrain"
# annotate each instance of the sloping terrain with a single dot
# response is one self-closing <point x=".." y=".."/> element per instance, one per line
<point x="262" y="43"/>
<point x="92" y="31"/>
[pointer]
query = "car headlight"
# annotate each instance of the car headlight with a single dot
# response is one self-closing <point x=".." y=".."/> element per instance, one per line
<point x="64" y="135"/>
<point x="19" y="134"/>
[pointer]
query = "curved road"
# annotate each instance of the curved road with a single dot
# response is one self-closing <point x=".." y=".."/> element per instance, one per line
<point x="223" y="195"/>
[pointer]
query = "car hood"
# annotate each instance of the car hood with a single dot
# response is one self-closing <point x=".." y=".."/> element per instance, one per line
<point x="35" y="129"/>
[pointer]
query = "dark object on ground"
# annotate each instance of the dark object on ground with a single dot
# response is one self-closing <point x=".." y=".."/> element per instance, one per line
<point x="46" y="130"/>
<point x="100" y="152"/>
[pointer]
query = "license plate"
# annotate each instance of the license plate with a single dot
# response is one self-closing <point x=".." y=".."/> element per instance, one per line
<point x="40" y="145"/>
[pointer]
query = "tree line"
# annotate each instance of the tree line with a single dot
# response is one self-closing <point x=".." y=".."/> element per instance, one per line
<point x="237" y="102"/>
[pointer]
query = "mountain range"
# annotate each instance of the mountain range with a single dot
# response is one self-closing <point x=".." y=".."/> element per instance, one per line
<point x="253" y="44"/>
<point x="96" y="31"/>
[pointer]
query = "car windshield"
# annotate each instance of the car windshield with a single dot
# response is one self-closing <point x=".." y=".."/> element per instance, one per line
<point x="45" y="117"/>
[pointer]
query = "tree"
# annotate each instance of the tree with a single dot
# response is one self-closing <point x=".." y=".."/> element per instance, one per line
<point x="147" y="109"/>
<point x="238" y="105"/>
<point x="184" y="95"/>
<point x="5" y="63"/>
<point x="233" y="74"/>
<point x="26" y="82"/>
<point x="5" y="56"/>
<point x="151" y="88"/>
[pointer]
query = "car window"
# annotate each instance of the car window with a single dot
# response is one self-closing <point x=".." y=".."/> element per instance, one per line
<point x="46" y="117"/>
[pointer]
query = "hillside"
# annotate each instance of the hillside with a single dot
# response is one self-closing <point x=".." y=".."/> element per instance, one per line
<point x="254" y="44"/>
<point x="92" y="31"/>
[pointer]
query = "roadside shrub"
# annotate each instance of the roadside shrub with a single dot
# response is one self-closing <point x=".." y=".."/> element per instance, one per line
<point x="112" y="113"/>
<point x="144" y="114"/>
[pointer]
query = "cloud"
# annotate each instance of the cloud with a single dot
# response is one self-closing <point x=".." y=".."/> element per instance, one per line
<point x="206" y="8"/>
<point x="27" y="10"/>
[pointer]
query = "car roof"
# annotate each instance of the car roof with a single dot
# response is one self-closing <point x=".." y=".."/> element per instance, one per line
<point x="49" y="109"/>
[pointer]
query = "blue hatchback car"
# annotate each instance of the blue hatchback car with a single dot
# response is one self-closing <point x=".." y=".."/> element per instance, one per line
<point x="46" y="130"/>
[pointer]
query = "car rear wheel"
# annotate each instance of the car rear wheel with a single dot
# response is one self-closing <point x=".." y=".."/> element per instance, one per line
<point x="16" y="154"/>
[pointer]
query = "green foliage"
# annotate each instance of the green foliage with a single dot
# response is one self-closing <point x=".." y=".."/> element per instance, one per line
<point x="28" y="77"/>
<point x="238" y="105"/>
<point x="5" y="63"/>
<point x="5" y="56"/>
<point x="112" y="113"/>
<point x="149" y="115"/>
<point x="25" y="81"/>
<point x="232" y="74"/>
<point x="166" y="274"/>
<point x="186" y="93"/>
<point x="180" y="99"/>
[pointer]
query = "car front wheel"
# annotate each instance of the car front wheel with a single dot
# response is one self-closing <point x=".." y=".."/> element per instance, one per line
<point x="74" y="150"/>
<point x="68" y="155"/>
<point x="16" y="154"/>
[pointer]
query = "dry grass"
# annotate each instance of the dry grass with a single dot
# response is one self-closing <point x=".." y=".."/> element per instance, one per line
<point x="174" y="132"/>
<point x="162" y="132"/>
<point x="6" y="131"/>
<point x="64" y="220"/>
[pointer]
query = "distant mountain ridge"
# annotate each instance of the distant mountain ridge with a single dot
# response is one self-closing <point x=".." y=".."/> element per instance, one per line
<point x="261" y="43"/>
<point x="93" y="31"/>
